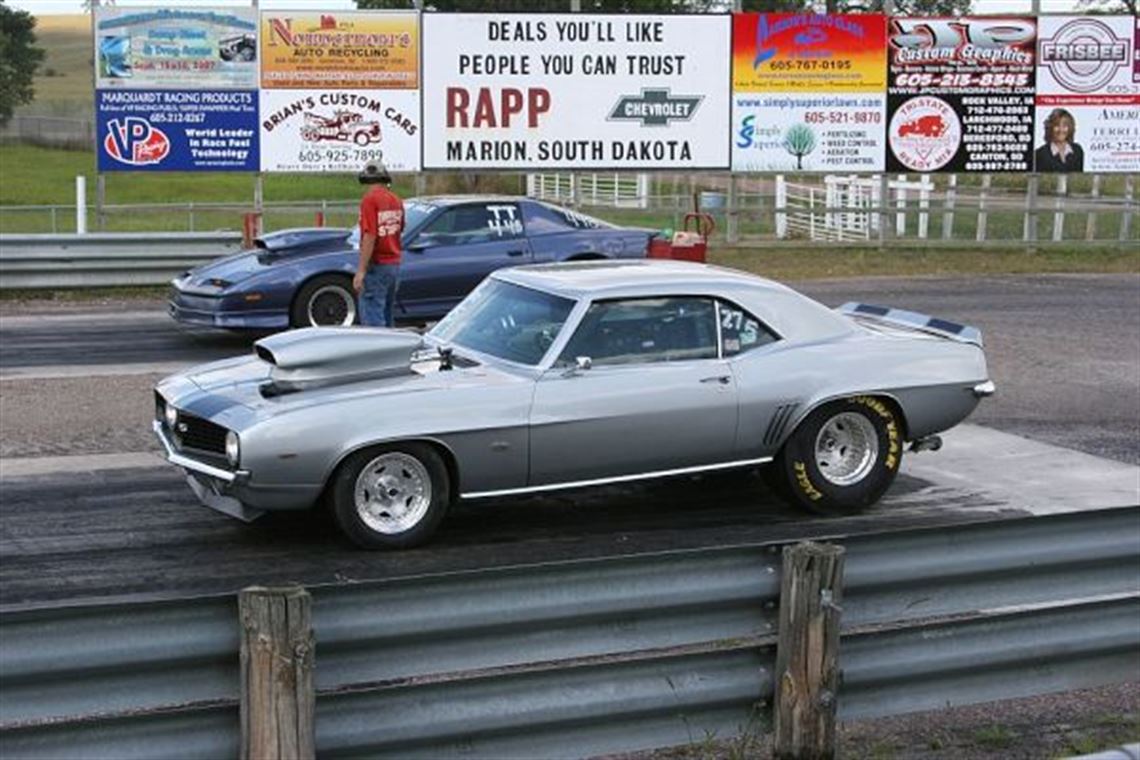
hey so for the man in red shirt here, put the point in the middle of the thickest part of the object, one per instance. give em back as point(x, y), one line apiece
point(381, 223)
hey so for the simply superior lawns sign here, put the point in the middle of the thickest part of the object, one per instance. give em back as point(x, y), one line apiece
point(564, 91)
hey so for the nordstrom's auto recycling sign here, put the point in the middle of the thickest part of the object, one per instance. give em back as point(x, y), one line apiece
point(573, 91)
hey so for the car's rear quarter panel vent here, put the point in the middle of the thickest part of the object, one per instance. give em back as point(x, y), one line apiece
point(778, 422)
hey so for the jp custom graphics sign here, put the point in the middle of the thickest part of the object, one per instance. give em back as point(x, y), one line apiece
point(960, 94)
point(349, 50)
point(808, 92)
point(175, 48)
point(339, 130)
point(176, 130)
point(1088, 95)
point(567, 91)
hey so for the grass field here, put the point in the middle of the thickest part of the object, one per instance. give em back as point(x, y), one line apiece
point(64, 82)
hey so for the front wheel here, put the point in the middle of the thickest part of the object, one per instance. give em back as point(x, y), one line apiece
point(391, 497)
point(843, 456)
point(325, 301)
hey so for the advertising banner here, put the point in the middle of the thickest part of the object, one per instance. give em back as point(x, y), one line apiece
point(567, 91)
point(343, 50)
point(960, 94)
point(176, 130)
point(339, 130)
point(808, 92)
point(152, 48)
point(1088, 95)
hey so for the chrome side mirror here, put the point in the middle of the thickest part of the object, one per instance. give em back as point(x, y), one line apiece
point(581, 364)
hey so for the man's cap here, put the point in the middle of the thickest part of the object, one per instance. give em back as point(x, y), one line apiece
point(374, 171)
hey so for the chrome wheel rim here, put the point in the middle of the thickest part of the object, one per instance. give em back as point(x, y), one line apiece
point(331, 305)
point(392, 493)
point(846, 449)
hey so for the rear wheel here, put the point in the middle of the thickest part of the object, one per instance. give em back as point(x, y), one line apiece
point(391, 497)
point(843, 457)
point(325, 301)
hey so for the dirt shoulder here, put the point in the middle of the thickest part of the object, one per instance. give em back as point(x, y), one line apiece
point(1049, 726)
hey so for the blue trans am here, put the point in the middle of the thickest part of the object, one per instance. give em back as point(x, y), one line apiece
point(303, 277)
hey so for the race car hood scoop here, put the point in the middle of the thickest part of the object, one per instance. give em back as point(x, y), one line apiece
point(318, 357)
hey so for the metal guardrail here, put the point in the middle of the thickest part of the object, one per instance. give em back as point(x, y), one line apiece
point(106, 259)
point(594, 656)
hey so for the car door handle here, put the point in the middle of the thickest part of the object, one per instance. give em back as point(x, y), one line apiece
point(517, 252)
point(722, 379)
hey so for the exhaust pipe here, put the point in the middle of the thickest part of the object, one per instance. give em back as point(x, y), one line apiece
point(929, 443)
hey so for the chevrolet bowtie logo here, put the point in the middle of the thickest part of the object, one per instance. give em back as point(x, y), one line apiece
point(655, 108)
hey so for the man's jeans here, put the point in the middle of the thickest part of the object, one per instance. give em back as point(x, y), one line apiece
point(379, 295)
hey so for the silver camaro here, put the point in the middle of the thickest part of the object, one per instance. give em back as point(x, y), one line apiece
point(568, 375)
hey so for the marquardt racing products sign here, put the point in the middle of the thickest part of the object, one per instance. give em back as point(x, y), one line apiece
point(960, 94)
point(567, 91)
point(349, 50)
point(1088, 95)
point(148, 48)
point(808, 92)
point(176, 130)
point(339, 130)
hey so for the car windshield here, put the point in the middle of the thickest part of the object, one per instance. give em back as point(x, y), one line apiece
point(505, 320)
point(414, 212)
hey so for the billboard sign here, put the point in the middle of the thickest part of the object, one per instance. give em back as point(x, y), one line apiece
point(1088, 95)
point(153, 48)
point(576, 92)
point(339, 130)
point(960, 94)
point(341, 50)
point(176, 130)
point(808, 92)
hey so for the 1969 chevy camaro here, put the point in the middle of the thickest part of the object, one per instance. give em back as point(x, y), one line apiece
point(567, 375)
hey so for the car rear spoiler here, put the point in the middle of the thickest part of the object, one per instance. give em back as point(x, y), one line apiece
point(913, 320)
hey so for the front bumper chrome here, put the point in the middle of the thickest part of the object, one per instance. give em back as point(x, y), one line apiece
point(210, 484)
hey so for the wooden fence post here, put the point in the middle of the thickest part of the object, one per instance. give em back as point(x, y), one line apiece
point(807, 658)
point(1030, 226)
point(981, 233)
point(1090, 221)
point(277, 697)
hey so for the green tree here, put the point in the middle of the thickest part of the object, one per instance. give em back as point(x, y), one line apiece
point(19, 58)
point(1095, 7)
point(799, 140)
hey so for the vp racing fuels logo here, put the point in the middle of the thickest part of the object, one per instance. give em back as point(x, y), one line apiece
point(1083, 55)
point(135, 142)
point(655, 107)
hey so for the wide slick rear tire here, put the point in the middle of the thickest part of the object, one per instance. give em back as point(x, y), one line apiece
point(843, 457)
point(392, 496)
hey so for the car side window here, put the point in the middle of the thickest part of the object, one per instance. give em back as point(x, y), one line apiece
point(645, 330)
point(740, 331)
point(481, 223)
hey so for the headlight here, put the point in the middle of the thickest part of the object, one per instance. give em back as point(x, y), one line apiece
point(233, 448)
point(171, 415)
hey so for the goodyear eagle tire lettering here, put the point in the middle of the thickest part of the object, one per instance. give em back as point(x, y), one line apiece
point(843, 457)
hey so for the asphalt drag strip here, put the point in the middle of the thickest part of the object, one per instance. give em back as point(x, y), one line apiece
point(100, 527)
